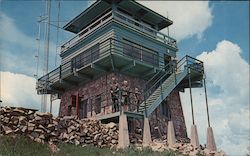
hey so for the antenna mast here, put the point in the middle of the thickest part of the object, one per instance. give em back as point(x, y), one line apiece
point(38, 48)
point(57, 30)
point(46, 54)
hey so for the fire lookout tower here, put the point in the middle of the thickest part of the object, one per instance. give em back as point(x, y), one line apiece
point(119, 63)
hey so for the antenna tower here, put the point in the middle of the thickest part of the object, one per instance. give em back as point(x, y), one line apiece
point(46, 54)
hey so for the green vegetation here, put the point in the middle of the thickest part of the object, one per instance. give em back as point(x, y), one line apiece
point(22, 146)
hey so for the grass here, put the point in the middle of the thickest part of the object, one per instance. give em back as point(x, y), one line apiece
point(22, 146)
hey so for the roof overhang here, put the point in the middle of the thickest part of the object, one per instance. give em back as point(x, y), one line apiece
point(100, 6)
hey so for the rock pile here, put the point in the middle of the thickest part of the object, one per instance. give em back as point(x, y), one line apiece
point(184, 148)
point(42, 127)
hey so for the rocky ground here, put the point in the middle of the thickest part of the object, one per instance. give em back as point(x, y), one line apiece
point(44, 128)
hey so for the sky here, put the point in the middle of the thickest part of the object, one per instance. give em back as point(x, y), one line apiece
point(216, 32)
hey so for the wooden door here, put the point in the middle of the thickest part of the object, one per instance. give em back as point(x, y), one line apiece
point(83, 109)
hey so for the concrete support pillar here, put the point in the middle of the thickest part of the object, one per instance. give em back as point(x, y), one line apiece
point(146, 133)
point(123, 140)
point(171, 134)
point(194, 136)
point(210, 139)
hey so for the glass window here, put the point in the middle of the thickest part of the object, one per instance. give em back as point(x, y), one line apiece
point(98, 101)
point(86, 57)
point(95, 52)
point(73, 100)
point(139, 52)
point(165, 109)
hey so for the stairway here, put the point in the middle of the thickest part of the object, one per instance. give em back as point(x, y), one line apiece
point(166, 84)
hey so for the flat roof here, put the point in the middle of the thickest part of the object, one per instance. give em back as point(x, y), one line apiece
point(131, 6)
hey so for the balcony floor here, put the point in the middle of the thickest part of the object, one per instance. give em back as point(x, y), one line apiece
point(109, 63)
point(114, 117)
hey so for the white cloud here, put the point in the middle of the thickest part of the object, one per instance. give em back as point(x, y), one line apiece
point(11, 33)
point(190, 18)
point(16, 46)
point(227, 76)
point(19, 90)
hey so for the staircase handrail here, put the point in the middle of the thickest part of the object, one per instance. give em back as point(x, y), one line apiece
point(186, 61)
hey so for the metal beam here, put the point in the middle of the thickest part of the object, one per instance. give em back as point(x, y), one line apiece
point(68, 83)
point(205, 89)
point(191, 99)
point(56, 89)
point(97, 67)
point(82, 76)
point(128, 66)
point(112, 61)
point(149, 72)
point(134, 115)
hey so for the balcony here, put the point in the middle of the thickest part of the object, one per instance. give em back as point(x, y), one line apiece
point(109, 55)
point(121, 18)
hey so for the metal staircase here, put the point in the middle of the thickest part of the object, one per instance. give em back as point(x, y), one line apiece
point(166, 80)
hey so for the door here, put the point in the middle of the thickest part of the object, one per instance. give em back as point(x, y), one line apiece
point(83, 109)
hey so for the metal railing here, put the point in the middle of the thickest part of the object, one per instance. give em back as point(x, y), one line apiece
point(159, 78)
point(106, 48)
point(151, 85)
point(144, 28)
point(130, 106)
point(86, 31)
point(125, 19)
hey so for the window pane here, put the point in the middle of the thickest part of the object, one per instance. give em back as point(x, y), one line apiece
point(98, 101)
point(86, 57)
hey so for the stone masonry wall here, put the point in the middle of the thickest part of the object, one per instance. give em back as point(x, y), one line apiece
point(158, 121)
point(101, 86)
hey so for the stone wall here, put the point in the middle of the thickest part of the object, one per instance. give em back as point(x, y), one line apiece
point(101, 86)
point(158, 120)
point(92, 89)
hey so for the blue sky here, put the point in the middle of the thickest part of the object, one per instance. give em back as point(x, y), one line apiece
point(230, 23)
point(216, 32)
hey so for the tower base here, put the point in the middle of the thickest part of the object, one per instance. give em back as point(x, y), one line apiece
point(194, 136)
point(210, 139)
point(171, 134)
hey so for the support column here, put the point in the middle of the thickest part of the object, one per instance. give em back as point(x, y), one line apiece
point(123, 140)
point(50, 108)
point(194, 133)
point(191, 98)
point(146, 133)
point(171, 134)
point(210, 135)
point(210, 139)
point(194, 136)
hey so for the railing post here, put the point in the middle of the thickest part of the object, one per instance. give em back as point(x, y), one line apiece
point(145, 107)
point(186, 58)
point(110, 46)
point(208, 120)
point(60, 72)
point(119, 101)
point(191, 99)
point(161, 89)
point(91, 55)
point(174, 70)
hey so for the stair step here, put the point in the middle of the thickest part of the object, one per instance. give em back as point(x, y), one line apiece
point(157, 93)
point(154, 96)
point(142, 108)
point(152, 99)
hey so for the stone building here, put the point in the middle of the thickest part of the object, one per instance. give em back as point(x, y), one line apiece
point(119, 58)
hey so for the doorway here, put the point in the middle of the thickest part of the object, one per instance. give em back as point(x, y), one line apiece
point(167, 59)
point(83, 109)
